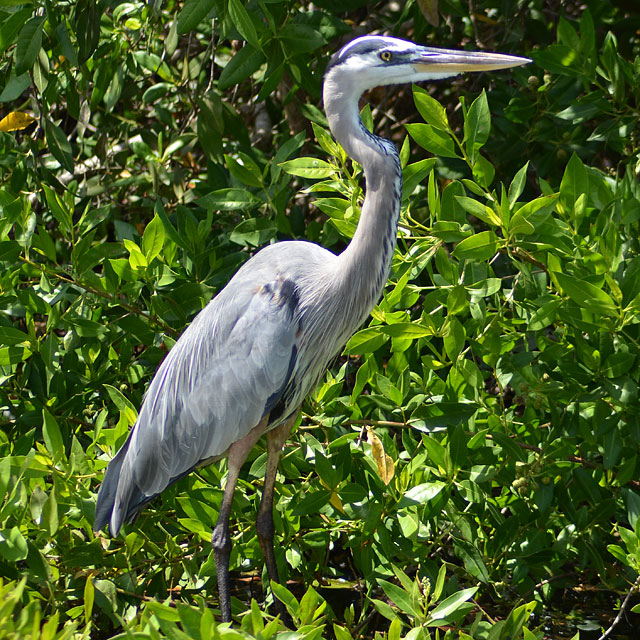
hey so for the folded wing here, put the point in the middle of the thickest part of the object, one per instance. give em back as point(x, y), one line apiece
point(226, 372)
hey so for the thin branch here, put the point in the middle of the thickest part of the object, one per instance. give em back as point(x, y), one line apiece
point(623, 607)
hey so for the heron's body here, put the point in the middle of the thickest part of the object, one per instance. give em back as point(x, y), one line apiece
point(247, 361)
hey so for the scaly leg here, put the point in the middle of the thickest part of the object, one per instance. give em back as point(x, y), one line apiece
point(264, 522)
point(220, 538)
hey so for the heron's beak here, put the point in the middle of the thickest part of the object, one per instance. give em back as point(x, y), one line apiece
point(450, 61)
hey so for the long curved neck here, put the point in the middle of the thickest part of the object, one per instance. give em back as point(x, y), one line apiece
point(366, 262)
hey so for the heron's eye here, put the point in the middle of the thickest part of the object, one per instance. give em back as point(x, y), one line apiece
point(385, 55)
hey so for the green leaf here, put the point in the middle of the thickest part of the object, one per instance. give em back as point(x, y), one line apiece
point(52, 436)
point(58, 144)
point(193, 12)
point(454, 337)
point(13, 355)
point(436, 141)
point(532, 215)
point(618, 364)
point(243, 64)
point(309, 168)
point(107, 599)
point(153, 239)
point(399, 597)
point(421, 494)
point(545, 315)
point(137, 259)
point(12, 337)
point(168, 227)
point(124, 405)
point(15, 87)
point(451, 604)
point(633, 507)
point(484, 288)
point(229, 200)
point(153, 63)
point(89, 593)
point(575, 183)
point(58, 209)
point(477, 126)
point(472, 560)
point(414, 175)
point(29, 44)
point(586, 295)
point(483, 171)
point(408, 330)
point(13, 545)
point(254, 232)
point(517, 184)
point(384, 609)
point(286, 597)
point(243, 23)
point(479, 210)
point(326, 142)
point(68, 50)
point(312, 502)
point(11, 26)
point(246, 172)
point(366, 340)
point(88, 14)
point(480, 246)
point(9, 251)
point(341, 633)
point(430, 109)
point(114, 90)
point(516, 620)
point(334, 207)
point(300, 38)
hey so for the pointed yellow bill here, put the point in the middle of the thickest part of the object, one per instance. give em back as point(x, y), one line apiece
point(450, 61)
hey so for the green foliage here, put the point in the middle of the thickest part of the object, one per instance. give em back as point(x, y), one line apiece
point(500, 372)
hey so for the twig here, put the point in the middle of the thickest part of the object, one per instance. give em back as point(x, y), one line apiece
point(625, 602)
point(541, 584)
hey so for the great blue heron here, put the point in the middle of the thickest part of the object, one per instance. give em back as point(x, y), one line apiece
point(249, 358)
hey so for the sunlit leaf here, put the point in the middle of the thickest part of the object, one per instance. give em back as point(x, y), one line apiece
point(309, 168)
point(15, 121)
point(386, 467)
point(480, 246)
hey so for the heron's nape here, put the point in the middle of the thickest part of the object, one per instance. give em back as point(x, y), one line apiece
point(249, 358)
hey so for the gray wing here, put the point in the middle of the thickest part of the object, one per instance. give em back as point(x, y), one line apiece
point(225, 373)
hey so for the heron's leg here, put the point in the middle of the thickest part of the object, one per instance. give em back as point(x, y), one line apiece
point(220, 538)
point(264, 522)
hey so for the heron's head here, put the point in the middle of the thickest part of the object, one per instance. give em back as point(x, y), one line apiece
point(371, 61)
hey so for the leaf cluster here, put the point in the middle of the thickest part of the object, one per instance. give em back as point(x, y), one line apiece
point(472, 456)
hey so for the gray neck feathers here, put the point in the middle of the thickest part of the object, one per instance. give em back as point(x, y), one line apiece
point(364, 265)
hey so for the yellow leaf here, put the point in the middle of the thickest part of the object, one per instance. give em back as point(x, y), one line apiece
point(336, 502)
point(15, 121)
point(383, 461)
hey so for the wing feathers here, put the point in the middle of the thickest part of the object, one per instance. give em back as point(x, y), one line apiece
point(227, 371)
